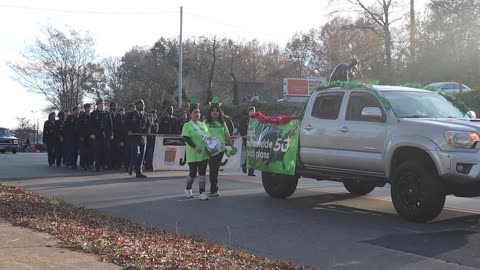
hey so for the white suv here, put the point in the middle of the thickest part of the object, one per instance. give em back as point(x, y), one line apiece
point(450, 87)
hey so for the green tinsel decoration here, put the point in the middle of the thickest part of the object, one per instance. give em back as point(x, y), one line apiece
point(455, 101)
point(386, 103)
point(353, 85)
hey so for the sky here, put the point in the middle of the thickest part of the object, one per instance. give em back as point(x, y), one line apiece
point(117, 26)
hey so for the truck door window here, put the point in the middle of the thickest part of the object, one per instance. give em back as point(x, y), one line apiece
point(327, 106)
point(357, 102)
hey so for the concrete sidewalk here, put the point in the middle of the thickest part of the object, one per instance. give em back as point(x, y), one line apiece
point(22, 248)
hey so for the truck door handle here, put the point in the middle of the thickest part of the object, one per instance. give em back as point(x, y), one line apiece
point(344, 129)
point(309, 127)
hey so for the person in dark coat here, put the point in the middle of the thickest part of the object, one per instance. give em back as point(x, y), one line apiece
point(130, 109)
point(121, 137)
point(251, 171)
point(182, 119)
point(137, 124)
point(72, 138)
point(168, 122)
point(113, 151)
point(59, 138)
point(101, 129)
point(153, 119)
point(85, 145)
point(49, 137)
point(341, 71)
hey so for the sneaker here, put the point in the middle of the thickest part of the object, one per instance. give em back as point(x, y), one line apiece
point(188, 193)
point(141, 175)
point(213, 194)
point(203, 196)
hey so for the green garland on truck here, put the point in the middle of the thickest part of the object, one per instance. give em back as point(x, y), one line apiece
point(353, 84)
point(459, 104)
point(455, 101)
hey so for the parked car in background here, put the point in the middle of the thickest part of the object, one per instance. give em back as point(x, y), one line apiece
point(7, 141)
point(295, 99)
point(451, 87)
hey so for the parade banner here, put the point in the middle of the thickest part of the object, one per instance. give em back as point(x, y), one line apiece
point(271, 147)
point(170, 154)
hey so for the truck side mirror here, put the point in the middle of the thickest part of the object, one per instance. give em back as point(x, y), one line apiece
point(372, 112)
point(472, 114)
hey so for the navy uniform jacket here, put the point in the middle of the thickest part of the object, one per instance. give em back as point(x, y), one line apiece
point(59, 130)
point(168, 125)
point(137, 122)
point(49, 132)
point(120, 131)
point(83, 126)
point(114, 124)
point(101, 124)
point(70, 130)
point(153, 130)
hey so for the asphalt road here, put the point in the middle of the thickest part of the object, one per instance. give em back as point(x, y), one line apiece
point(320, 226)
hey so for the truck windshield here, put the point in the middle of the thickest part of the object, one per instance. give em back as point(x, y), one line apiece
point(4, 132)
point(421, 105)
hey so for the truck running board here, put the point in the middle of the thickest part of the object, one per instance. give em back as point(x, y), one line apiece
point(340, 176)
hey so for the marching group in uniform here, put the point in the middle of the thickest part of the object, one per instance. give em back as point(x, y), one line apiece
point(106, 139)
point(114, 139)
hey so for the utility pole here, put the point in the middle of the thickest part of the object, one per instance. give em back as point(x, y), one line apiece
point(412, 30)
point(34, 129)
point(180, 63)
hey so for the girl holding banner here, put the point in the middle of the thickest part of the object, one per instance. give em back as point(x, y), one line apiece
point(217, 128)
point(197, 155)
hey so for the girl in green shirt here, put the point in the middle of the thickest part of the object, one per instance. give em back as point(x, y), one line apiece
point(197, 155)
point(217, 128)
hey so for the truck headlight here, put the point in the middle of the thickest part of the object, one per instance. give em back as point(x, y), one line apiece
point(462, 139)
point(15, 142)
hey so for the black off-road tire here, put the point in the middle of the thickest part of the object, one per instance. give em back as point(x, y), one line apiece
point(279, 185)
point(358, 188)
point(417, 193)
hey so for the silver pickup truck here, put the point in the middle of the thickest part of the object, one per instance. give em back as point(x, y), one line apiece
point(413, 139)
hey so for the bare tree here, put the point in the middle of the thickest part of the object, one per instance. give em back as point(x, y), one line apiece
point(233, 49)
point(59, 66)
point(379, 12)
point(24, 129)
point(213, 53)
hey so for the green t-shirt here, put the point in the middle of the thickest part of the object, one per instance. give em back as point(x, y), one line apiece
point(217, 130)
point(191, 131)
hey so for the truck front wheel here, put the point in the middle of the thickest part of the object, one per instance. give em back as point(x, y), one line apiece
point(417, 193)
point(358, 188)
point(279, 185)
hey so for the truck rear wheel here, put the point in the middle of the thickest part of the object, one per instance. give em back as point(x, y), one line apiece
point(279, 185)
point(417, 193)
point(358, 188)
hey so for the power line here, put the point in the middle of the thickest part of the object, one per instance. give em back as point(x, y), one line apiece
point(229, 25)
point(89, 12)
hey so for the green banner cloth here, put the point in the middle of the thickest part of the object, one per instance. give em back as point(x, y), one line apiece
point(272, 148)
